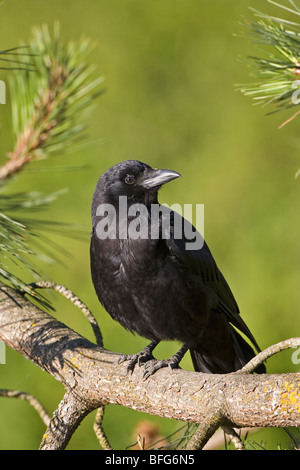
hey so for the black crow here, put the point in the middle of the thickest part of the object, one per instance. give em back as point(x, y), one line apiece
point(150, 281)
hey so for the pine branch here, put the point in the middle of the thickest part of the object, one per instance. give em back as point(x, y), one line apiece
point(33, 401)
point(92, 377)
point(50, 105)
point(278, 71)
point(18, 237)
point(51, 102)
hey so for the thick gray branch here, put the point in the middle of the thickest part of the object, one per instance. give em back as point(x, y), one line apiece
point(66, 419)
point(93, 377)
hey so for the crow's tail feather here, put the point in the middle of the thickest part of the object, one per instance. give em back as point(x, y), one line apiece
point(218, 361)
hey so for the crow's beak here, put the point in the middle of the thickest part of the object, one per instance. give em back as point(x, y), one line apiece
point(156, 177)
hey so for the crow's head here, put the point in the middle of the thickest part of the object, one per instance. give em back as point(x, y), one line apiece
point(133, 179)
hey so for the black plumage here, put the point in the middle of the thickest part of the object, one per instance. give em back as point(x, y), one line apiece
point(154, 286)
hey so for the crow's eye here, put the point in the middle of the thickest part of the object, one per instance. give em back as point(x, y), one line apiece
point(129, 179)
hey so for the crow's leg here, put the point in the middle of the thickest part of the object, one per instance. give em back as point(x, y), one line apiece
point(139, 358)
point(173, 362)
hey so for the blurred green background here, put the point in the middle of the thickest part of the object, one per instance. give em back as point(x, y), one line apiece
point(170, 70)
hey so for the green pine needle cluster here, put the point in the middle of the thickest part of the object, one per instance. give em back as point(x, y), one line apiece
point(15, 237)
point(278, 71)
point(51, 101)
point(50, 105)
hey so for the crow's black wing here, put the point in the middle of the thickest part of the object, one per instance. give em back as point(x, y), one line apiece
point(201, 263)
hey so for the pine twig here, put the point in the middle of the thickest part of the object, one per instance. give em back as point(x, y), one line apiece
point(278, 71)
point(234, 437)
point(76, 301)
point(98, 428)
point(50, 102)
point(34, 402)
point(267, 353)
point(49, 105)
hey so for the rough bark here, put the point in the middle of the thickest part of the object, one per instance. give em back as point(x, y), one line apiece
point(92, 378)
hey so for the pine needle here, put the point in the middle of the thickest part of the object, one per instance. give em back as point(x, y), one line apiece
point(278, 71)
point(277, 74)
point(50, 106)
point(51, 102)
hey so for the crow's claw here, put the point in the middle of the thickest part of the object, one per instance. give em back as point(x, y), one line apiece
point(139, 358)
point(152, 366)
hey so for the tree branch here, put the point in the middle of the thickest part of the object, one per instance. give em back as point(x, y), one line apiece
point(267, 353)
point(33, 401)
point(93, 377)
point(64, 423)
point(98, 428)
point(76, 301)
